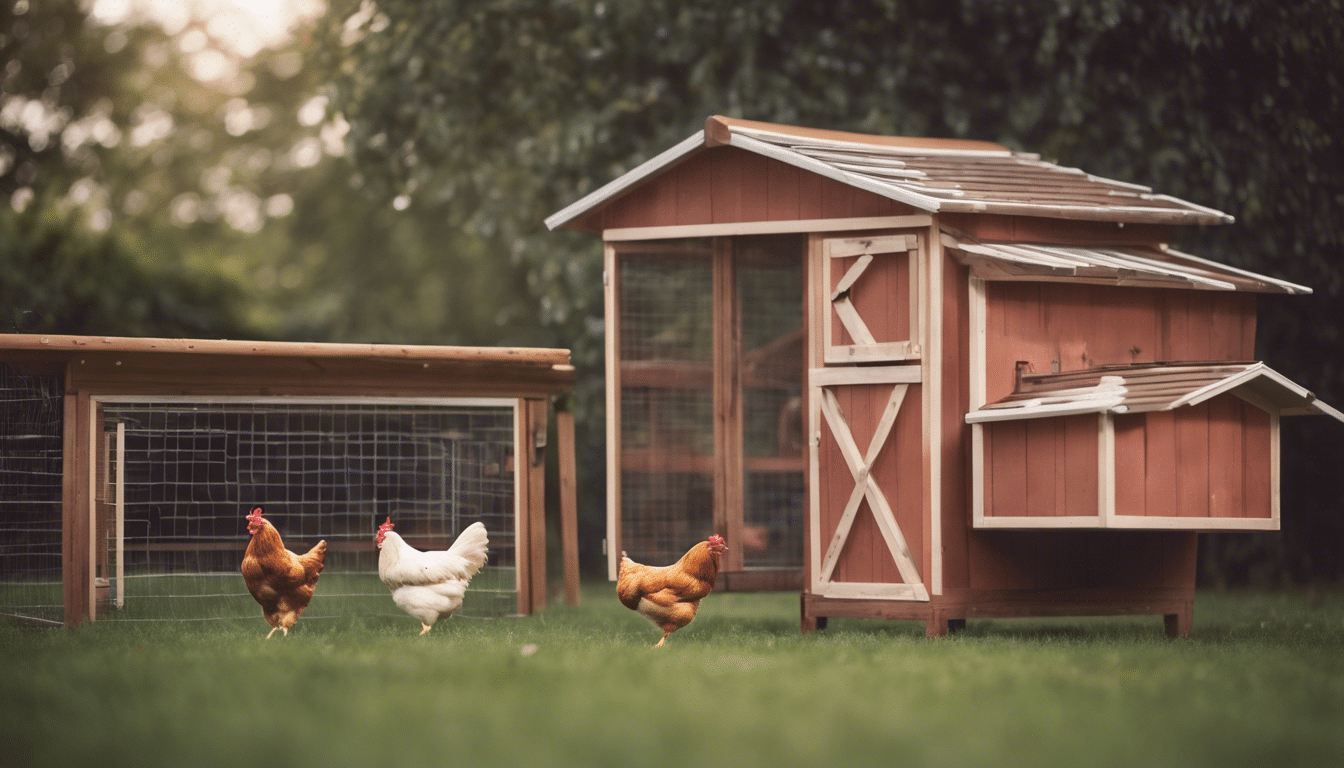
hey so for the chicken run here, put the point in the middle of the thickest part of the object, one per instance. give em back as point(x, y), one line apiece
point(126, 466)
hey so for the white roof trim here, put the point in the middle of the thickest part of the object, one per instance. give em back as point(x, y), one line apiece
point(1284, 284)
point(624, 182)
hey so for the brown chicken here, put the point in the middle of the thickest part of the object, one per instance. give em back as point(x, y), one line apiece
point(669, 596)
point(281, 581)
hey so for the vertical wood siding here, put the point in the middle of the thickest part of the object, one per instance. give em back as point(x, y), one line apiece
point(1070, 326)
point(726, 184)
point(1206, 461)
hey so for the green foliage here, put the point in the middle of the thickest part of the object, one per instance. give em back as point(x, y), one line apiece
point(1256, 682)
point(56, 279)
point(502, 112)
point(464, 124)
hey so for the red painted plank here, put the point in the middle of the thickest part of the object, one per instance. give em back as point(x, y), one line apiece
point(1226, 494)
point(1131, 467)
point(1007, 445)
point(726, 187)
point(1257, 440)
point(782, 191)
point(1080, 464)
point(1042, 467)
point(1160, 469)
point(1192, 461)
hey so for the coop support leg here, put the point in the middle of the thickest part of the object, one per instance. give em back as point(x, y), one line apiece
point(936, 625)
point(809, 622)
point(1180, 623)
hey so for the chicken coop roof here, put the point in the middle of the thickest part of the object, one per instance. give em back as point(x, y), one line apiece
point(928, 174)
point(1145, 265)
point(1142, 388)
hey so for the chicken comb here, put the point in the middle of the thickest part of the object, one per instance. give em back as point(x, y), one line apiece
point(715, 538)
point(254, 514)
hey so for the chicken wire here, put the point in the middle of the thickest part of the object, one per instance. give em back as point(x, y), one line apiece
point(666, 348)
point(321, 469)
point(31, 430)
point(667, 404)
point(770, 310)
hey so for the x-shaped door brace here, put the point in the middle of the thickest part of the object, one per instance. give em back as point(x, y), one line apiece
point(865, 487)
point(865, 346)
point(844, 308)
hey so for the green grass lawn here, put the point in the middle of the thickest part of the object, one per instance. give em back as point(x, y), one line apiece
point(1260, 682)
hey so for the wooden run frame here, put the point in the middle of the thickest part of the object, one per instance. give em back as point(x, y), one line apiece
point(105, 369)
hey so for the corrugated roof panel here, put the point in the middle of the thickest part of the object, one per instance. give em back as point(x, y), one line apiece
point(928, 174)
point(1143, 388)
point(1124, 265)
point(984, 180)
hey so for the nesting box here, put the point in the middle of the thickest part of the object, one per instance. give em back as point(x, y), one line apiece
point(927, 379)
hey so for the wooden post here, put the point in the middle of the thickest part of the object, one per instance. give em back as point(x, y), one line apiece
point(76, 528)
point(537, 411)
point(569, 509)
point(1180, 623)
point(728, 479)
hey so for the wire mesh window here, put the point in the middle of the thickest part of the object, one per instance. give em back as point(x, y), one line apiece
point(667, 404)
point(770, 310)
point(667, 422)
point(328, 470)
point(31, 428)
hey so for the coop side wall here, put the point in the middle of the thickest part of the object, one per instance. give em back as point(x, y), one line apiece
point(1072, 326)
point(1063, 572)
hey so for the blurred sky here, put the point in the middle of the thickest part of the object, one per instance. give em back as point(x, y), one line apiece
point(243, 26)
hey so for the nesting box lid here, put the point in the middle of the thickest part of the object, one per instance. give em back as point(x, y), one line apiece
point(1143, 388)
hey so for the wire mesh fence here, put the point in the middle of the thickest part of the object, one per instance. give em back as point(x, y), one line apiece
point(31, 426)
point(322, 471)
point(175, 476)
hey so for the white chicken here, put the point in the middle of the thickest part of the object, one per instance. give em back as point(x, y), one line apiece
point(430, 585)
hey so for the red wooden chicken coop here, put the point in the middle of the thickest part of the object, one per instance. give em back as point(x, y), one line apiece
point(927, 379)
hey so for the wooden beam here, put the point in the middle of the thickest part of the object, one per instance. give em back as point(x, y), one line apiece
point(76, 527)
point(612, 342)
point(569, 511)
point(791, 226)
point(413, 353)
point(728, 446)
point(533, 452)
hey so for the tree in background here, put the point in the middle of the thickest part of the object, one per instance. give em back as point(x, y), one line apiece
point(500, 112)
point(70, 134)
point(384, 176)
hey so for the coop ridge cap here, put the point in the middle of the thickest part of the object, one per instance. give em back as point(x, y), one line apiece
point(556, 358)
